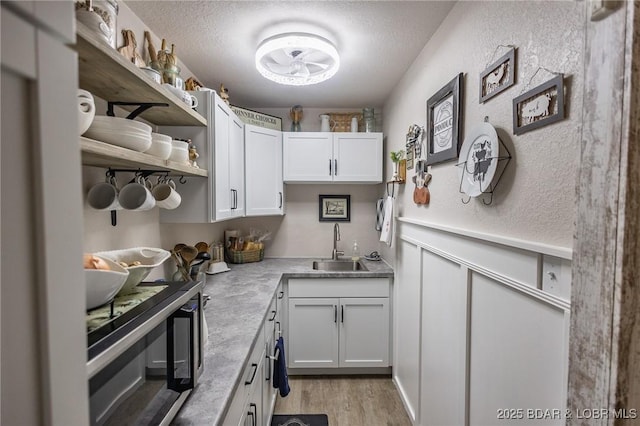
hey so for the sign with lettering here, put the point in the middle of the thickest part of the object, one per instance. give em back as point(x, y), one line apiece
point(257, 118)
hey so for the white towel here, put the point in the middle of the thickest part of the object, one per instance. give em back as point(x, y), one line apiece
point(387, 224)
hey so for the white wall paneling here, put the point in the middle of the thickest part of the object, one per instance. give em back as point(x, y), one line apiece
point(477, 329)
point(406, 326)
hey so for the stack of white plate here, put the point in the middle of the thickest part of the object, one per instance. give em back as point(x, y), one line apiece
point(121, 132)
point(160, 146)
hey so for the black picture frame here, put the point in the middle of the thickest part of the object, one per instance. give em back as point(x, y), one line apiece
point(531, 111)
point(334, 208)
point(499, 76)
point(444, 122)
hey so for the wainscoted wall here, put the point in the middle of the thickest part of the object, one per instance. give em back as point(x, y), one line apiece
point(480, 325)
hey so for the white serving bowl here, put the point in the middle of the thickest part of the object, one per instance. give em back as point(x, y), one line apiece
point(103, 285)
point(160, 148)
point(179, 152)
point(149, 258)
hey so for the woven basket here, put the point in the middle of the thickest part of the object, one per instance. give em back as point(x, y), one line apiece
point(244, 256)
point(342, 120)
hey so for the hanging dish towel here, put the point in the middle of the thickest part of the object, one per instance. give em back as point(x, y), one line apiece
point(280, 376)
point(379, 213)
point(387, 224)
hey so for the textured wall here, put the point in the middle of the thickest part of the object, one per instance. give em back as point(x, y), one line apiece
point(535, 199)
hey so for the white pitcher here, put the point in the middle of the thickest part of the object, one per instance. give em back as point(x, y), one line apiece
point(86, 110)
point(326, 124)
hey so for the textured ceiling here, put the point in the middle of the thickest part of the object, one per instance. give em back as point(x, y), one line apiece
point(377, 42)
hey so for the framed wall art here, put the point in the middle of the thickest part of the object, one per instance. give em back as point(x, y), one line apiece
point(539, 106)
point(499, 76)
point(444, 122)
point(334, 208)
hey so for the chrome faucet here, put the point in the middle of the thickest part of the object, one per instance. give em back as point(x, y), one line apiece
point(336, 237)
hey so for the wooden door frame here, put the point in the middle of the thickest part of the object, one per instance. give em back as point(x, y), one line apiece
point(604, 353)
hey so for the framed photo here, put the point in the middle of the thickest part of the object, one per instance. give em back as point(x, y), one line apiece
point(444, 122)
point(499, 76)
point(335, 208)
point(539, 106)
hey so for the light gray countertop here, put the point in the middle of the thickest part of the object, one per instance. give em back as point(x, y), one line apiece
point(239, 302)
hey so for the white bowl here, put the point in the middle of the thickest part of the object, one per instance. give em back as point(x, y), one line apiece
point(103, 285)
point(126, 140)
point(160, 149)
point(179, 155)
point(148, 257)
point(120, 124)
point(161, 137)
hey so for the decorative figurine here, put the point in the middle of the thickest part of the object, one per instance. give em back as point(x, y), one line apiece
point(296, 118)
point(224, 94)
point(193, 156)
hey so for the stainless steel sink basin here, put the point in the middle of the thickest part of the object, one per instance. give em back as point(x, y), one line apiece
point(338, 265)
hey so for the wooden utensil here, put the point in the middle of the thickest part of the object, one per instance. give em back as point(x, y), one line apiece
point(188, 254)
point(202, 247)
point(151, 48)
point(128, 49)
point(172, 59)
point(162, 54)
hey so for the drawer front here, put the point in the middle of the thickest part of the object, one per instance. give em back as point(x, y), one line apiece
point(270, 321)
point(338, 287)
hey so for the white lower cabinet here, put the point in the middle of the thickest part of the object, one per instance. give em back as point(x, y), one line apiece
point(350, 329)
point(246, 405)
point(254, 399)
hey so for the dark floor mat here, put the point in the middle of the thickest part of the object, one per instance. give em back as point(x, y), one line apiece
point(300, 420)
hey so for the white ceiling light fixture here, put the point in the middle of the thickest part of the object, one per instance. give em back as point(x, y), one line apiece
point(297, 59)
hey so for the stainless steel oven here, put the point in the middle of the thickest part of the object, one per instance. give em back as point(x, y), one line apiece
point(145, 357)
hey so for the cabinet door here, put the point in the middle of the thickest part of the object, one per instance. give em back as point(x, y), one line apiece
point(357, 157)
point(221, 157)
point(364, 332)
point(44, 364)
point(236, 163)
point(313, 333)
point(263, 171)
point(307, 157)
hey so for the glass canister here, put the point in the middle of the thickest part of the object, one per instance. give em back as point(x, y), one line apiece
point(368, 117)
point(101, 17)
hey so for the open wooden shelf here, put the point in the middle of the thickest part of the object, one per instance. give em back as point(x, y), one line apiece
point(101, 154)
point(107, 74)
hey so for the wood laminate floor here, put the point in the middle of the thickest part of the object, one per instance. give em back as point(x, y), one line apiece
point(347, 400)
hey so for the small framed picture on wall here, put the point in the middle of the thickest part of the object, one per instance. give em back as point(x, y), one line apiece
point(334, 208)
point(444, 122)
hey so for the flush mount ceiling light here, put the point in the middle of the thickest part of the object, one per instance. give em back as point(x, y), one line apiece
point(297, 59)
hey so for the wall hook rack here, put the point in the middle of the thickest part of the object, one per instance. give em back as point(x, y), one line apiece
point(142, 107)
point(502, 160)
point(393, 188)
point(111, 173)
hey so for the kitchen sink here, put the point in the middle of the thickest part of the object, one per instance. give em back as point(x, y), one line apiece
point(338, 265)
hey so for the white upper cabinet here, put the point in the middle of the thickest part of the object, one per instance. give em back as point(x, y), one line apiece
point(263, 171)
point(229, 162)
point(312, 157)
point(307, 157)
point(221, 149)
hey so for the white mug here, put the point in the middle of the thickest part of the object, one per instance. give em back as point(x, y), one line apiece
point(190, 100)
point(166, 195)
point(137, 195)
point(104, 195)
